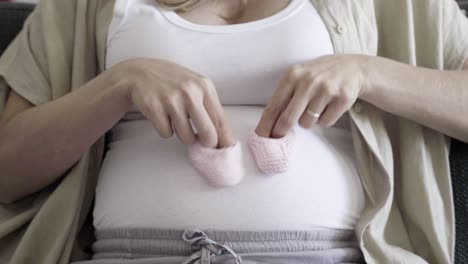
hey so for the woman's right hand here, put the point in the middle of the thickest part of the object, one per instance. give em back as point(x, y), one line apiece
point(170, 96)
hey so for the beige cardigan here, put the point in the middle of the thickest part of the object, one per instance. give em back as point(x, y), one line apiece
point(409, 213)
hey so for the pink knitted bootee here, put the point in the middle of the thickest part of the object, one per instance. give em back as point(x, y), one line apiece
point(272, 155)
point(220, 167)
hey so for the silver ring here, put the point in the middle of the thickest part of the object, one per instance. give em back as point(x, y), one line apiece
point(312, 113)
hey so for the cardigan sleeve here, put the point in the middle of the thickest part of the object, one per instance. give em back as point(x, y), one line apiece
point(455, 35)
point(22, 65)
point(39, 63)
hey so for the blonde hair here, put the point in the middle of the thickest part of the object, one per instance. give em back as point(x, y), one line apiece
point(185, 5)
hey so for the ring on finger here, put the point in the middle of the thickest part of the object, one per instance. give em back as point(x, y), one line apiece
point(313, 114)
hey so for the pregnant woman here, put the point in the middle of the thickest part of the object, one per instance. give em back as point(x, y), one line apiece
point(197, 97)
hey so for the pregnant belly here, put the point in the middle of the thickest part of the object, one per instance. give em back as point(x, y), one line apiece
point(148, 182)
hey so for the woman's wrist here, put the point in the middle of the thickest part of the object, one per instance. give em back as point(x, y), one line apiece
point(369, 67)
point(120, 84)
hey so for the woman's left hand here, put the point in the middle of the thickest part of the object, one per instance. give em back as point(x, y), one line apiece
point(319, 91)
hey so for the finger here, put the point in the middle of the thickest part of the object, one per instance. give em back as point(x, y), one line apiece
point(314, 110)
point(181, 123)
point(162, 123)
point(224, 134)
point(160, 120)
point(206, 132)
point(215, 110)
point(290, 116)
point(278, 102)
point(333, 112)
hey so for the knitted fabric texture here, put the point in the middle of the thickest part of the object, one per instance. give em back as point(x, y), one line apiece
point(220, 167)
point(272, 155)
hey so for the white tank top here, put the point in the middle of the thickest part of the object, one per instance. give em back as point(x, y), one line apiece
point(147, 181)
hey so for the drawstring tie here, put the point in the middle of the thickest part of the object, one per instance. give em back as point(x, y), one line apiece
point(205, 248)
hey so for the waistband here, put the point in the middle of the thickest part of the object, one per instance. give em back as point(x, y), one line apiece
point(202, 246)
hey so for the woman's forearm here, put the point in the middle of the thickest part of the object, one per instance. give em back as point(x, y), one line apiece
point(436, 99)
point(41, 143)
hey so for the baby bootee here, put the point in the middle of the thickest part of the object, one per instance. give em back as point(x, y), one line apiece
point(272, 155)
point(220, 167)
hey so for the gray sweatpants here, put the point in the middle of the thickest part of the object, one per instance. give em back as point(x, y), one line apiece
point(150, 246)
